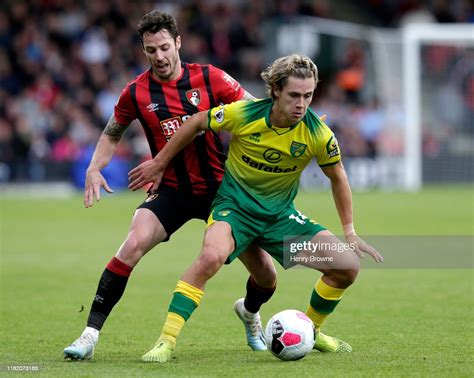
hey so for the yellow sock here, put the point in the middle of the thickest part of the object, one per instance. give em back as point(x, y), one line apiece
point(324, 299)
point(189, 291)
point(186, 298)
point(172, 328)
point(317, 318)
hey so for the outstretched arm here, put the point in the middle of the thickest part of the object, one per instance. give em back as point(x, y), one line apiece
point(103, 153)
point(342, 195)
point(152, 170)
point(248, 96)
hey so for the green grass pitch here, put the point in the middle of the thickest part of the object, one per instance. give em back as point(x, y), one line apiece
point(400, 322)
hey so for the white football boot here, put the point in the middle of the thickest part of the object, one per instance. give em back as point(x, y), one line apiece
point(253, 326)
point(83, 347)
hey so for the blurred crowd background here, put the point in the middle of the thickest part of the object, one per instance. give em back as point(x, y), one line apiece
point(63, 64)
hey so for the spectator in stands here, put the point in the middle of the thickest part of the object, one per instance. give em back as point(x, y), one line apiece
point(59, 55)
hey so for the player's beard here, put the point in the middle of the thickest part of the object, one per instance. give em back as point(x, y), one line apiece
point(171, 70)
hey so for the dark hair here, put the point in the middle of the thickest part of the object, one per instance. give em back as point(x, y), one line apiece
point(154, 21)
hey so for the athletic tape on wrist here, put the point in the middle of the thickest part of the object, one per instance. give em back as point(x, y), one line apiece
point(348, 229)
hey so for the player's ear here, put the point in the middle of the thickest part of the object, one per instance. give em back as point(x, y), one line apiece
point(276, 92)
point(178, 42)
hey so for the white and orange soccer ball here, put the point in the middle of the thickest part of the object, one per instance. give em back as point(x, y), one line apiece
point(290, 335)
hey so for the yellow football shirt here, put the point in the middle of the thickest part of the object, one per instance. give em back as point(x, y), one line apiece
point(265, 162)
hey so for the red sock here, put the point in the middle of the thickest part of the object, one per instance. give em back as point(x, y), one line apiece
point(118, 267)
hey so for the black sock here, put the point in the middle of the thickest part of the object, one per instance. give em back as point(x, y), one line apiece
point(256, 295)
point(109, 291)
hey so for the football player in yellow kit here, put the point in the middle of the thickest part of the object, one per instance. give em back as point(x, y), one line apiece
point(273, 140)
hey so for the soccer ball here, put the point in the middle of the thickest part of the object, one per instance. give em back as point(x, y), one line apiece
point(290, 335)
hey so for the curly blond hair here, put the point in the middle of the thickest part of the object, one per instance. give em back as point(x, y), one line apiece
point(276, 75)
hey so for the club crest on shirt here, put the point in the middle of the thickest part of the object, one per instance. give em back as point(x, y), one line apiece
point(297, 149)
point(223, 213)
point(194, 96)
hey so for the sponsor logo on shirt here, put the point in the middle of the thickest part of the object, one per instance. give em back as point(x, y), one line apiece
point(265, 167)
point(272, 156)
point(219, 116)
point(332, 147)
point(233, 83)
point(153, 107)
point(255, 137)
point(170, 126)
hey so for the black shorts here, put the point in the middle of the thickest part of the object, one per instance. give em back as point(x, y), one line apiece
point(173, 209)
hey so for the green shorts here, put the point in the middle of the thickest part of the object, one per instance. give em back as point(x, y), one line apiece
point(268, 234)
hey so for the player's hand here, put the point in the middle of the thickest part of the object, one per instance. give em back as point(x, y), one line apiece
point(94, 181)
point(360, 247)
point(149, 171)
point(323, 117)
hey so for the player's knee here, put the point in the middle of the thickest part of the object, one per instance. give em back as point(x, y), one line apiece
point(343, 278)
point(346, 277)
point(351, 275)
point(132, 250)
point(211, 260)
point(209, 265)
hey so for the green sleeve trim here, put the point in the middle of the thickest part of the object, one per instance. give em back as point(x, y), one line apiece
point(209, 120)
point(329, 164)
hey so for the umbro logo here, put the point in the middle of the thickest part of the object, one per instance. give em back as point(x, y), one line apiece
point(152, 107)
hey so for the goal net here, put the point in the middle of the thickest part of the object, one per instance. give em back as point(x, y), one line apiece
point(439, 103)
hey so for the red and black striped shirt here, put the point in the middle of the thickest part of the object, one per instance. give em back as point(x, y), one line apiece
point(161, 108)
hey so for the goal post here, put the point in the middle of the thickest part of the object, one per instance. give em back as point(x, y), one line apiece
point(413, 37)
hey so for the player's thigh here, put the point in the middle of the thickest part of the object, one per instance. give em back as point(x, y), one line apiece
point(218, 239)
point(217, 245)
point(145, 232)
point(147, 227)
point(280, 234)
point(296, 239)
point(172, 209)
point(243, 227)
